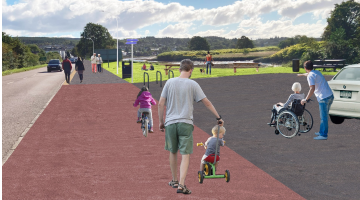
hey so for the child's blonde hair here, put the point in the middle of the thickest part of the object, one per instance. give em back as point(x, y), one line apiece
point(215, 130)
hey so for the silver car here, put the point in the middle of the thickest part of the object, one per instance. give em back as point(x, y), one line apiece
point(346, 88)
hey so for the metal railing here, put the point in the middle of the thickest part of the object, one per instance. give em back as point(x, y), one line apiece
point(147, 79)
point(160, 78)
point(169, 74)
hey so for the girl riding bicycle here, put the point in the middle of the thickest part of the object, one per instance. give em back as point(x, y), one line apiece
point(145, 100)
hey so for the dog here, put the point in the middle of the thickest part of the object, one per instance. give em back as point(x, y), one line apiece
point(202, 71)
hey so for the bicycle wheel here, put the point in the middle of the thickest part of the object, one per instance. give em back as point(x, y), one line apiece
point(146, 129)
point(305, 122)
point(287, 124)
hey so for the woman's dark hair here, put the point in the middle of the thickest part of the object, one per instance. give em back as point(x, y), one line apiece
point(79, 59)
point(143, 89)
point(308, 65)
point(208, 52)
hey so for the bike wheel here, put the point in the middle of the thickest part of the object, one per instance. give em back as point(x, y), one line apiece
point(288, 124)
point(146, 128)
point(305, 122)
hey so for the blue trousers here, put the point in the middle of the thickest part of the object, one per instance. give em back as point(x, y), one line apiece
point(208, 65)
point(324, 107)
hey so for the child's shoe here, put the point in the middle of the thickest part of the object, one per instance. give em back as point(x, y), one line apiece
point(151, 130)
point(138, 120)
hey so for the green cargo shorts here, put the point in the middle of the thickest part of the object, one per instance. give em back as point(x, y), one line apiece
point(179, 136)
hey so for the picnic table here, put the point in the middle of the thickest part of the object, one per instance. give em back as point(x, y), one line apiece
point(246, 65)
point(329, 63)
point(168, 67)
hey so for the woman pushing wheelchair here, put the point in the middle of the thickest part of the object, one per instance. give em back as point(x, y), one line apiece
point(277, 108)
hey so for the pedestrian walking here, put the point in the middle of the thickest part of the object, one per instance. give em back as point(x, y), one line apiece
point(79, 67)
point(99, 62)
point(179, 94)
point(324, 95)
point(208, 60)
point(93, 62)
point(66, 66)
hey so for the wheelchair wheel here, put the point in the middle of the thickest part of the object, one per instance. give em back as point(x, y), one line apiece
point(288, 124)
point(207, 169)
point(305, 122)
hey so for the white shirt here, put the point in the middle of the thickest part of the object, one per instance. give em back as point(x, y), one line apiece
point(93, 59)
point(99, 60)
point(322, 88)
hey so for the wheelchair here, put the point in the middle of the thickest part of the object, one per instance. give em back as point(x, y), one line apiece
point(293, 121)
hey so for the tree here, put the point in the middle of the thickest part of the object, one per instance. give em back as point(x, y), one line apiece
point(244, 42)
point(198, 43)
point(34, 48)
point(100, 35)
point(345, 16)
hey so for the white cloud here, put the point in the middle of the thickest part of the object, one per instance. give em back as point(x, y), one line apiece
point(177, 31)
point(36, 17)
point(67, 36)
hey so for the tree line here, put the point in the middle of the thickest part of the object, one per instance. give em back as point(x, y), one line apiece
point(16, 54)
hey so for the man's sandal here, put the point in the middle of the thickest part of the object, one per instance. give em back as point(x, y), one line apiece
point(172, 183)
point(184, 190)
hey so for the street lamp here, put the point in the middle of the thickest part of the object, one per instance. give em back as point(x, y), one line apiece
point(117, 44)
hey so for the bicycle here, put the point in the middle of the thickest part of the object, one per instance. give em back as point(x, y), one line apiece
point(145, 126)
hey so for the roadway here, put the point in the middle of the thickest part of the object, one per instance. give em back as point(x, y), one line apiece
point(24, 95)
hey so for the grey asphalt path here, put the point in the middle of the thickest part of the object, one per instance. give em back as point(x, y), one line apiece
point(96, 78)
point(314, 169)
point(24, 95)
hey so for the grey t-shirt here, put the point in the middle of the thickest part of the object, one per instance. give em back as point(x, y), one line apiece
point(211, 145)
point(292, 97)
point(180, 94)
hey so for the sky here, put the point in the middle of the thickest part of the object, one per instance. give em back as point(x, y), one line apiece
point(163, 18)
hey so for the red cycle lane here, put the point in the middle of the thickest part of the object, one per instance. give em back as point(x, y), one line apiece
point(87, 145)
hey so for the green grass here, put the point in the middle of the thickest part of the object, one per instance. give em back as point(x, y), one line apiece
point(215, 72)
point(12, 71)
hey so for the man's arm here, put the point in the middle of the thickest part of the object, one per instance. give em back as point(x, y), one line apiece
point(310, 93)
point(306, 74)
point(161, 113)
point(210, 106)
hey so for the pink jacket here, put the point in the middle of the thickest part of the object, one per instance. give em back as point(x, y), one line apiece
point(145, 100)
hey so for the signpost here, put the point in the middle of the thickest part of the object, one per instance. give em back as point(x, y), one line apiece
point(132, 42)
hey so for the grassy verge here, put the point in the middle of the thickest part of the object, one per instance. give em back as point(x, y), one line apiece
point(12, 71)
point(215, 72)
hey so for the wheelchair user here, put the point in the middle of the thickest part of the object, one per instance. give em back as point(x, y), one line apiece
point(296, 87)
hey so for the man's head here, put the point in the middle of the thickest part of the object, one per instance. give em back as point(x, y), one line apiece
point(186, 65)
point(99, 55)
point(215, 130)
point(66, 57)
point(94, 54)
point(308, 66)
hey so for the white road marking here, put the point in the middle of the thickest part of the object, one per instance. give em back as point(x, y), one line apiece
point(10, 82)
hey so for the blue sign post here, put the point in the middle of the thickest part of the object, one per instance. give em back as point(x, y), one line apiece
point(132, 42)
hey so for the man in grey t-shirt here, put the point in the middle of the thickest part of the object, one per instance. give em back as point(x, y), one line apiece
point(179, 95)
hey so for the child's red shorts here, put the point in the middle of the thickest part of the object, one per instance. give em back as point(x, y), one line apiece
point(211, 158)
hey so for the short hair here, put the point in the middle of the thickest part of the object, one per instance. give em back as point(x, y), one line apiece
point(296, 87)
point(215, 130)
point(66, 57)
point(308, 65)
point(186, 65)
point(98, 54)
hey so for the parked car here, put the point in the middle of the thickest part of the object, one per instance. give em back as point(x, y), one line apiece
point(73, 59)
point(346, 88)
point(54, 65)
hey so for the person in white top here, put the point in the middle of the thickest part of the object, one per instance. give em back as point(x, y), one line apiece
point(320, 87)
point(99, 61)
point(93, 63)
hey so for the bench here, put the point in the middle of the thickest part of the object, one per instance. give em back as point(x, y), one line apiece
point(329, 63)
point(168, 67)
point(246, 65)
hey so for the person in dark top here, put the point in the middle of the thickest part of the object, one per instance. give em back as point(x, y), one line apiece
point(66, 66)
point(151, 66)
point(79, 67)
